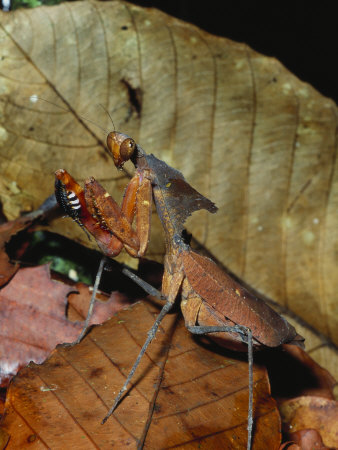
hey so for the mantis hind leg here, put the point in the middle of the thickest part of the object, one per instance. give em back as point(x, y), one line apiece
point(151, 334)
point(170, 301)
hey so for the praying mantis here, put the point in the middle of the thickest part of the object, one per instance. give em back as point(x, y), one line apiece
point(211, 301)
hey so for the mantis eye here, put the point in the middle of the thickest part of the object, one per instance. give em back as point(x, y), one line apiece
point(127, 149)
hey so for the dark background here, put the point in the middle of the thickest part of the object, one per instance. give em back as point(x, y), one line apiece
point(303, 36)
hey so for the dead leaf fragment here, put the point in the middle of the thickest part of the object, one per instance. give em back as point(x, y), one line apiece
point(316, 413)
point(183, 393)
point(308, 440)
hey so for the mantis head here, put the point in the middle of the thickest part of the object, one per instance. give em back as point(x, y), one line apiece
point(121, 147)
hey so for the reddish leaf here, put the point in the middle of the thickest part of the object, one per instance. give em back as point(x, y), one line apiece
point(183, 393)
point(33, 322)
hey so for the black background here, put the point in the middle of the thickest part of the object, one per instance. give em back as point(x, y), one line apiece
point(302, 36)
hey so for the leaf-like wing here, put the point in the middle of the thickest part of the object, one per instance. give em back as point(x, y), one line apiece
point(175, 199)
point(234, 302)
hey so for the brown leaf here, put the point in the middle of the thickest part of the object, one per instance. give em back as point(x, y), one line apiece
point(243, 130)
point(33, 322)
point(316, 413)
point(183, 393)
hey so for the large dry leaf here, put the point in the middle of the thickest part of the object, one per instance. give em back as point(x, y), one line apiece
point(243, 130)
point(183, 393)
